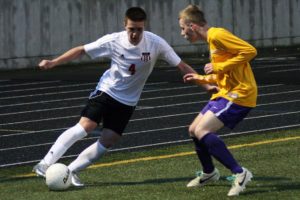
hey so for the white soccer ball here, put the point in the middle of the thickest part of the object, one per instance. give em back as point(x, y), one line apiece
point(58, 177)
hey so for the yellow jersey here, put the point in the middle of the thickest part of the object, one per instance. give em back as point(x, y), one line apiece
point(232, 72)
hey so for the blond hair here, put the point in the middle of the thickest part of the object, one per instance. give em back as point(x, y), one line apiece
point(193, 14)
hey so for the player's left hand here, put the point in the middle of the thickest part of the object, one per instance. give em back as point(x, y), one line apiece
point(212, 89)
point(190, 77)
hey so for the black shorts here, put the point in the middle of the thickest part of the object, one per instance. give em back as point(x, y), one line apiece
point(102, 107)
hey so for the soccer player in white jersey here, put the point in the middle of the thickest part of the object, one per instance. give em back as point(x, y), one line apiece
point(133, 54)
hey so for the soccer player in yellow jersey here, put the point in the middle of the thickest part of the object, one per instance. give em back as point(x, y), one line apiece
point(230, 71)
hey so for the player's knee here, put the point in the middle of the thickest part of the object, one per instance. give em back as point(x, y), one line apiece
point(192, 131)
point(200, 133)
point(107, 143)
point(87, 124)
point(109, 138)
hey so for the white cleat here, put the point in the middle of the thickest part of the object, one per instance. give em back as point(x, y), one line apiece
point(203, 178)
point(40, 169)
point(239, 182)
point(76, 181)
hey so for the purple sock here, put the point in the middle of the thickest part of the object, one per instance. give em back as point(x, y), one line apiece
point(204, 156)
point(217, 148)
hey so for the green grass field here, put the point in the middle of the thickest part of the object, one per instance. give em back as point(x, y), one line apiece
point(162, 173)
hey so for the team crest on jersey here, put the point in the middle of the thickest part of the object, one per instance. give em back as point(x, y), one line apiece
point(145, 56)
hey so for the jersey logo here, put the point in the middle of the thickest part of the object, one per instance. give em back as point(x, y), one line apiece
point(233, 95)
point(145, 56)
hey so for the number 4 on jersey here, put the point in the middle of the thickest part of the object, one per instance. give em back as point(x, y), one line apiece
point(132, 69)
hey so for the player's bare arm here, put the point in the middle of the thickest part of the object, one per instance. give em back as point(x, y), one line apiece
point(72, 54)
point(188, 71)
point(205, 81)
point(185, 68)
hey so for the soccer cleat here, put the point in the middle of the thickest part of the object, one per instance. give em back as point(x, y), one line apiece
point(40, 169)
point(239, 182)
point(203, 178)
point(76, 181)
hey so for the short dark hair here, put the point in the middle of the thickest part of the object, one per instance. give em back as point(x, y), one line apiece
point(136, 14)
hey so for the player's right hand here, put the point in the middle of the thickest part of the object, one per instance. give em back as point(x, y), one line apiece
point(208, 68)
point(46, 64)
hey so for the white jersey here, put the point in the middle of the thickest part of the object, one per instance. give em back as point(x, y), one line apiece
point(130, 65)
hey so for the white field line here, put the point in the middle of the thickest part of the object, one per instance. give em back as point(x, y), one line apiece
point(47, 88)
point(44, 94)
point(42, 102)
point(34, 132)
point(77, 98)
point(59, 100)
point(85, 90)
point(263, 130)
point(60, 129)
point(157, 130)
point(85, 97)
point(256, 67)
point(67, 117)
point(247, 118)
point(41, 110)
point(272, 85)
point(275, 93)
point(61, 108)
point(141, 108)
point(285, 70)
point(81, 97)
point(31, 83)
point(163, 143)
point(138, 107)
point(66, 86)
point(225, 135)
point(276, 66)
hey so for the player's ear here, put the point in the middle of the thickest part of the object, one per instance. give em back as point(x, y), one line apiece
point(195, 27)
point(192, 26)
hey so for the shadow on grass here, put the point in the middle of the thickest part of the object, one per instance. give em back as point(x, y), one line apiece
point(271, 184)
point(259, 184)
point(12, 180)
point(5, 179)
point(270, 188)
point(144, 182)
point(147, 181)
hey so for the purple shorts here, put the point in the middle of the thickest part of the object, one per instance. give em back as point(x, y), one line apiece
point(226, 111)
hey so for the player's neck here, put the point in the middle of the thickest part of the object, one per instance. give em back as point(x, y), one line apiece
point(203, 32)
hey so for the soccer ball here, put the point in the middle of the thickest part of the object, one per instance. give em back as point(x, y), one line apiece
point(58, 177)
